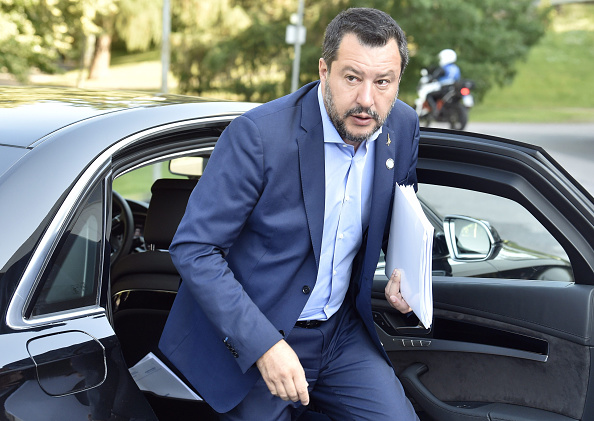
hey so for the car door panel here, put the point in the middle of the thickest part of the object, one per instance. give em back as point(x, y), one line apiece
point(74, 367)
point(501, 349)
point(68, 362)
point(475, 353)
point(469, 411)
point(59, 349)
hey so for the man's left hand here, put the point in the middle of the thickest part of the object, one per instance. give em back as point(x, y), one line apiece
point(393, 294)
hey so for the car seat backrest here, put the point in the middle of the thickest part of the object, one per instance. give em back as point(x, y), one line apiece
point(166, 209)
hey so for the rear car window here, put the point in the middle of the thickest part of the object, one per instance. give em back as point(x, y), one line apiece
point(71, 278)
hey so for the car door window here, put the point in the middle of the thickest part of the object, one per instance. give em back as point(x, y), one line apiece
point(71, 278)
point(526, 250)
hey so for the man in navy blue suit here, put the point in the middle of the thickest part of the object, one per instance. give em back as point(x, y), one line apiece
point(281, 237)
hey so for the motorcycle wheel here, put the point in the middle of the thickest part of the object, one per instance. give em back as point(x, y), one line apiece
point(458, 117)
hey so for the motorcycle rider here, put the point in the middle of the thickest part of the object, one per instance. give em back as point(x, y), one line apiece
point(446, 74)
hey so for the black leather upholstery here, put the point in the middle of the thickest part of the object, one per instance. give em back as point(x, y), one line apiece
point(168, 204)
point(153, 269)
point(143, 284)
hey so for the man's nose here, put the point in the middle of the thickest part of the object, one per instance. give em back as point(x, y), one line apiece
point(365, 95)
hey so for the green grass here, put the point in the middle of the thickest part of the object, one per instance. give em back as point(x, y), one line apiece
point(555, 83)
point(137, 184)
point(119, 58)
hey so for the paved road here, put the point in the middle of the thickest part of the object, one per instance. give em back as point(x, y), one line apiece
point(570, 144)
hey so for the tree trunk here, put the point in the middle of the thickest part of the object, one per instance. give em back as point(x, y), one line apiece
point(101, 58)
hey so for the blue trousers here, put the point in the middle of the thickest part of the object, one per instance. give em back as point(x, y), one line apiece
point(348, 377)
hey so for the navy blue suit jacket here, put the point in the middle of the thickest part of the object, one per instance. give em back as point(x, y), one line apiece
point(249, 243)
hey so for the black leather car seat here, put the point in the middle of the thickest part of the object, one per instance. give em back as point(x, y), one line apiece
point(144, 284)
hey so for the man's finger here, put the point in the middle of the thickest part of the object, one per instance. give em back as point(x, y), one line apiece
point(301, 389)
point(393, 293)
point(290, 391)
point(393, 285)
point(283, 373)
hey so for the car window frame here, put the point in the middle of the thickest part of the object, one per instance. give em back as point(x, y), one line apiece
point(517, 172)
point(122, 156)
point(29, 285)
point(80, 304)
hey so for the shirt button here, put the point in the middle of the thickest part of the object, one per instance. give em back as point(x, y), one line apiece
point(306, 289)
point(334, 272)
point(341, 236)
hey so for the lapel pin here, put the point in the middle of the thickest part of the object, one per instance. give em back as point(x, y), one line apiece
point(389, 163)
point(389, 141)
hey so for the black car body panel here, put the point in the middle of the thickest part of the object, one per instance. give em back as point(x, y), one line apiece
point(504, 343)
point(47, 170)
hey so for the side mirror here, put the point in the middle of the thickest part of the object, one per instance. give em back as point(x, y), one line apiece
point(470, 239)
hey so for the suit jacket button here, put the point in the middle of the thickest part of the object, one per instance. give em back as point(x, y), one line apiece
point(306, 289)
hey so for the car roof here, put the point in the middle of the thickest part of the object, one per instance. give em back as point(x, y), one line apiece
point(32, 116)
point(50, 136)
point(53, 108)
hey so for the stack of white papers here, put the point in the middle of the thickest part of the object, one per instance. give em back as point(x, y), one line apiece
point(410, 248)
point(151, 375)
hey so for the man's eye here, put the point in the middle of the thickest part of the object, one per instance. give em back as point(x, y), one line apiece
point(352, 78)
point(383, 82)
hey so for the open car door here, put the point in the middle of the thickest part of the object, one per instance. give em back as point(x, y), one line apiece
point(512, 332)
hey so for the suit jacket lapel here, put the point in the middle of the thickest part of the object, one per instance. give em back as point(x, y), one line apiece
point(383, 177)
point(383, 182)
point(311, 167)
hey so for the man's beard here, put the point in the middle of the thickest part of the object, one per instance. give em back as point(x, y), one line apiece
point(340, 122)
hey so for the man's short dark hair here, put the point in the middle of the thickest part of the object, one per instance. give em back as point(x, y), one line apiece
point(372, 27)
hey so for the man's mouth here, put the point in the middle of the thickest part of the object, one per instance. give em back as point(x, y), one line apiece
point(362, 118)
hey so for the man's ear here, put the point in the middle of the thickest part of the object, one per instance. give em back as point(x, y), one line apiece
point(323, 70)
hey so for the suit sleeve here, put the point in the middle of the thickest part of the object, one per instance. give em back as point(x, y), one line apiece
point(217, 211)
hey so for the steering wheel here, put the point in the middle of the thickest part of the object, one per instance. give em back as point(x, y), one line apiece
point(122, 228)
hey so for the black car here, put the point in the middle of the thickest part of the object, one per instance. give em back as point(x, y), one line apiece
point(92, 186)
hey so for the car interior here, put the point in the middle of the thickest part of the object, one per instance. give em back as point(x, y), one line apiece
point(465, 345)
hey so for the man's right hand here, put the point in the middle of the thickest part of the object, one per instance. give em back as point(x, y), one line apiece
point(283, 373)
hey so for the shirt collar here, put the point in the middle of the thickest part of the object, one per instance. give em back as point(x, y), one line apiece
point(330, 133)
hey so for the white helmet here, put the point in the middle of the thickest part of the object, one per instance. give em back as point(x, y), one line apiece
point(447, 57)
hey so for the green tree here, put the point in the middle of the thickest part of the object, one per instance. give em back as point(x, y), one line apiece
point(135, 22)
point(247, 57)
point(44, 34)
point(241, 53)
point(489, 36)
point(210, 42)
point(33, 33)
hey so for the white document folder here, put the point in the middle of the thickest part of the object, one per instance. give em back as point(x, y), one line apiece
point(410, 248)
point(152, 375)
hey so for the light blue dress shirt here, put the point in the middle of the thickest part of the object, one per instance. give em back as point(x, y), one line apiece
point(349, 180)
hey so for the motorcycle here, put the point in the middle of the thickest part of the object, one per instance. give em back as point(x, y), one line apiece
point(452, 103)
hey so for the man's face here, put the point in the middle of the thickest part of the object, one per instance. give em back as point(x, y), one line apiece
point(362, 87)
